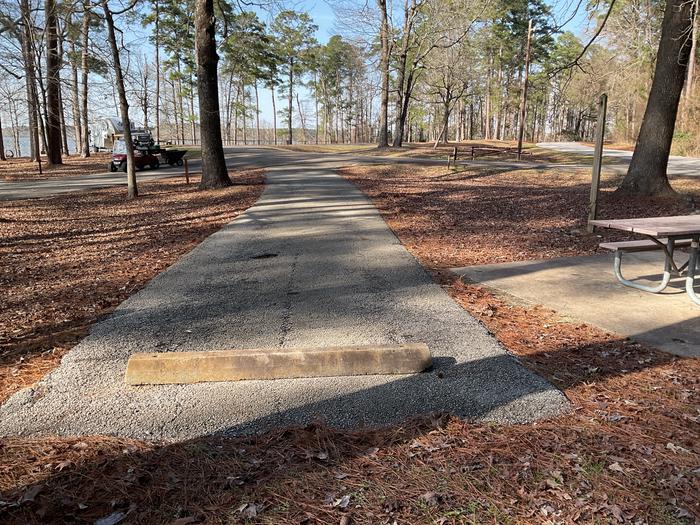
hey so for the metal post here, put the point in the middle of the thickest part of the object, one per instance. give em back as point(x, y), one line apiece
point(523, 99)
point(597, 161)
point(187, 172)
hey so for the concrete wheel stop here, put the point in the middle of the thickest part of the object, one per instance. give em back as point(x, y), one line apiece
point(276, 363)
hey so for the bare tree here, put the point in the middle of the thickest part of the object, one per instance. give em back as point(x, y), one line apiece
point(53, 87)
point(132, 189)
point(383, 135)
point(85, 41)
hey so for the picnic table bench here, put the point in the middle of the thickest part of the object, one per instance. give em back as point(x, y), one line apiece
point(483, 151)
point(662, 233)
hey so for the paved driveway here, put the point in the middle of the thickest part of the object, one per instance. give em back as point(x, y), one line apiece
point(311, 264)
point(678, 166)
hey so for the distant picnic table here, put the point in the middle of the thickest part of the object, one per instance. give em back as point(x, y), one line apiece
point(662, 233)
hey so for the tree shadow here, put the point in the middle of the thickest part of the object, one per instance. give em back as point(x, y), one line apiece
point(154, 482)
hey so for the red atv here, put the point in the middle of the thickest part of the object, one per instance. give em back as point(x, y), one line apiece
point(143, 157)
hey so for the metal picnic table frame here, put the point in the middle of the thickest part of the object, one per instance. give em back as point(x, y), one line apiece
point(676, 228)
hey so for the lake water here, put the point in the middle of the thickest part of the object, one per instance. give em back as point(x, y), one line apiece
point(24, 143)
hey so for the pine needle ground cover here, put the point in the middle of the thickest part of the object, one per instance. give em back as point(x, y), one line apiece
point(66, 261)
point(629, 452)
point(25, 169)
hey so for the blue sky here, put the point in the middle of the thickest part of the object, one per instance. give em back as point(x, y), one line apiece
point(324, 16)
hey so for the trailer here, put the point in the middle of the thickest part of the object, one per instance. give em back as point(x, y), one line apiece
point(104, 133)
point(173, 157)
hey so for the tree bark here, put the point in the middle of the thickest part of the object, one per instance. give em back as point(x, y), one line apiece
point(274, 114)
point(301, 117)
point(53, 86)
point(61, 105)
point(157, 46)
point(257, 113)
point(132, 189)
point(690, 78)
point(2, 142)
point(85, 36)
point(290, 101)
point(75, 96)
point(647, 172)
point(402, 91)
point(383, 132)
point(30, 81)
point(214, 172)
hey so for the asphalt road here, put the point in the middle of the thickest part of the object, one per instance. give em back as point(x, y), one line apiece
point(311, 264)
point(264, 157)
point(677, 166)
point(260, 157)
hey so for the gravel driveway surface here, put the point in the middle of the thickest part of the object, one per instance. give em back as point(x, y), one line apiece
point(311, 264)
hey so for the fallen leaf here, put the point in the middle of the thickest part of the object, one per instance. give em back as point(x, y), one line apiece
point(185, 521)
point(430, 498)
point(342, 502)
point(248, 510)
point(112, 519)
point(617, 512)
point(615, 467)
point(31, 493)
point(676, 448)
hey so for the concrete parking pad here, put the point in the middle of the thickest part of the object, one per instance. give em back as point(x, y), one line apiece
point(585, 289)
point(311, 265)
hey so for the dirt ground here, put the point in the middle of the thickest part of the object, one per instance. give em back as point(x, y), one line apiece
point(25, 169)
point(629, 452)
point(66, 261)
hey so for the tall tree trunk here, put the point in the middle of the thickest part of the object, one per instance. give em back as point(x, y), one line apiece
point(316, 101)
point(193, 120)
point(383, 133)
point(214, 172)
point(14, 120)
point(85, 37)
point(647, 171)
point(274, 114)
point(405, 101)
point(157, 42)
point(301, 117)
point(2, 142)
point(244, 116)
point(401, 88)
point(290, 101)
point(236, 105)
point(62, 114)
point(75, 96)
point(30, 80)
point(257, 113)
point(53, 86)
point(690, 78)
point(64, 130)
point(487, 102)
point(132, 189)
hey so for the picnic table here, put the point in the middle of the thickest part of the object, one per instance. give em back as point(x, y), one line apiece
point(662, 233)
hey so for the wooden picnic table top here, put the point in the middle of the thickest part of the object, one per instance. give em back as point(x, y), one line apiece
point(678, 225)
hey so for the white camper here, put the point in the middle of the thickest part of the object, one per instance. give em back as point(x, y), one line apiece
point(104, 132)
